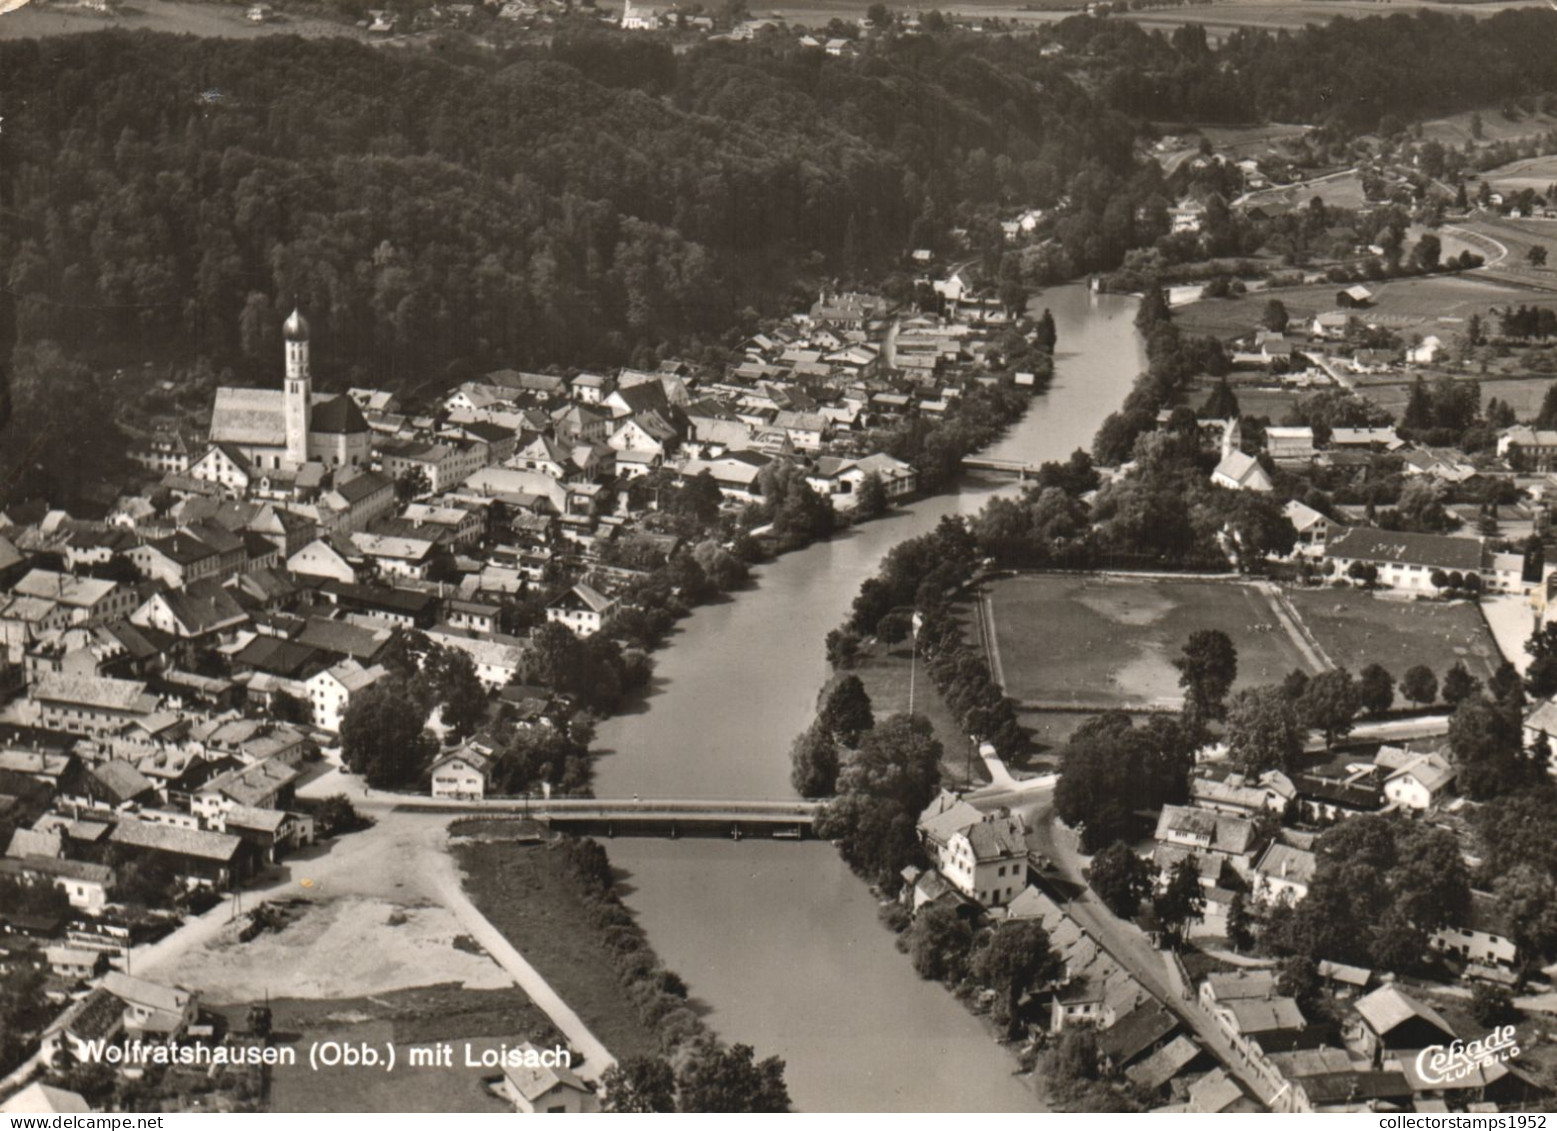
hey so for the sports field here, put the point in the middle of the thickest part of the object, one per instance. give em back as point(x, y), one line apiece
point(1100, 642)
point(1356, 629)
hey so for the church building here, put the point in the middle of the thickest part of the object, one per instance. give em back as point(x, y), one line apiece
point(282, 429)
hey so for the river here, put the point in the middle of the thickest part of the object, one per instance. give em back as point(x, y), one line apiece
point(779, 940)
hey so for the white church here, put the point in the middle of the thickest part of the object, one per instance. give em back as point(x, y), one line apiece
point(283, 429)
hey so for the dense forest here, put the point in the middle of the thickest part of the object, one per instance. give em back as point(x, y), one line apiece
point(575, 206)
point(600, 199)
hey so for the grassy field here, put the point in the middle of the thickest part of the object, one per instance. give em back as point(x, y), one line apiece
point(1440, 305)
point(1456, 129)
point(1524, 393)
point(885, 676)
point(402, 1018)
point(1356, 629)
point(529, 894)
point(1108, 642)
point(1536, 173)
point(1341, 191)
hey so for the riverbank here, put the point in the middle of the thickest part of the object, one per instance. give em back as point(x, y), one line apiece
point(555, 900)
point(779, 941)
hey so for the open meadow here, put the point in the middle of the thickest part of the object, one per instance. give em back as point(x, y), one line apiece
point(1355, 629)
point(1437, 304)
point(1104, 642)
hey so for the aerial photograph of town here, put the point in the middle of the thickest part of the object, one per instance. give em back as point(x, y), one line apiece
point(574, 556)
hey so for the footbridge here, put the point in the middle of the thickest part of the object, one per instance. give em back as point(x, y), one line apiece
point(733, 820)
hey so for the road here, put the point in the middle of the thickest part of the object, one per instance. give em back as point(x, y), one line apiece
point(1128, 945)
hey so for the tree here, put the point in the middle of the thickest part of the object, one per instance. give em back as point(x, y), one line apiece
point(1207, 669)
point(881, 792)
point(1459, 684)
point(843, 648)
point(335, 815)
point(847, 715)
point(1420, 685)
point(1015, 960)
point(939, 943)
point(459, 689)
point(872, 498)
point(1120, 878)
point(1263, 730)
point(1527, 898)
point(1240, 932)
point(1541, 675)
point(1375, 689)
point(814, 762)
point(1536, 255)
point(1330, 704)
point(1486, 740)
point(1182, 900)
point(1275, 317)
point(382, 736)
point(639, 1084)
point(731, 1080)
point(1492, 1006)
point(879, 15)
point(1221, 404)
point(1507, 686)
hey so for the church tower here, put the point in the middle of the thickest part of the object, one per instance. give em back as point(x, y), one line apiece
point(299, 388)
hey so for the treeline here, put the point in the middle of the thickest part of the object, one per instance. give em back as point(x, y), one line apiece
point(1350, 73)
point(572, 206)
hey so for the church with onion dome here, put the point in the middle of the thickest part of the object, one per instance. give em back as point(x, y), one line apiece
point(281, 430)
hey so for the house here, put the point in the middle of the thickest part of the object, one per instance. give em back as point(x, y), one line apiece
point(983, 855)
point(1283, 871)
point(1404, 559)
point(1426, 351)
point(259, 785)
point(330, 692)
point(1230, 791)
point(203, 609)
point(322, 558)
point(1313, 529)
point(460, 774)
point(1381, 439)
point(1483, 938)
point(90, 705)
point(152, 1010)
point(88, 886)
point(1417, 781)
point(584, 609)
point(1290, 444)
point(99, 1016)
point(1392, 1021)
point(1528, 448)
point(1217, 837)
point(543, 1081)
point(199, 856)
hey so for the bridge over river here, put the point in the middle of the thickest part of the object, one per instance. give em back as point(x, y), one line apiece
point(736, 820)
point(1009, 466)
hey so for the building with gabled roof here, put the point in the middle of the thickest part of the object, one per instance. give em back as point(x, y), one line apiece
point(90, 705)
point(583, 609)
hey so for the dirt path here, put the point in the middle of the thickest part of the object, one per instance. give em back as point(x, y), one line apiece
point(404, 857)
point(1302, 639)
